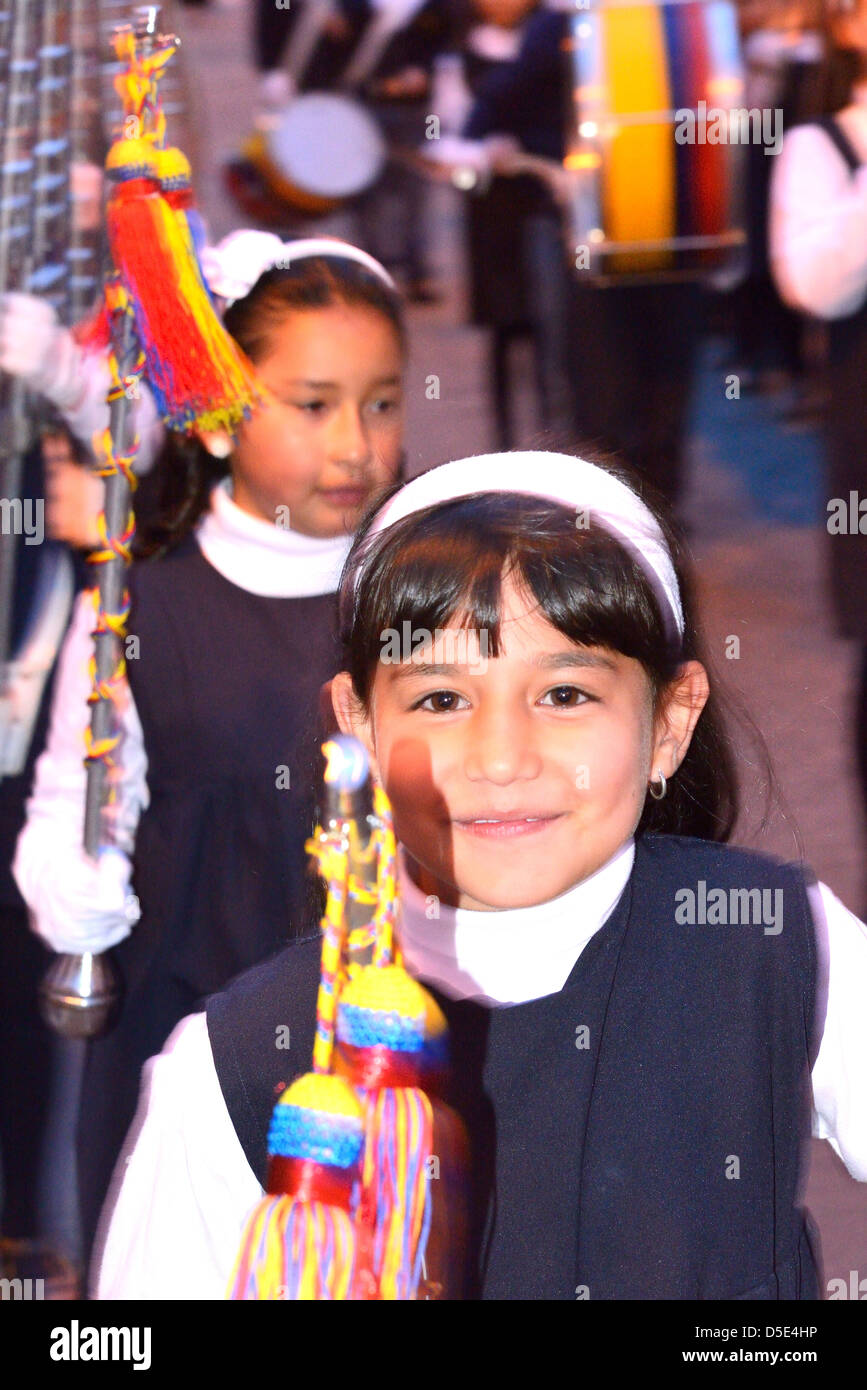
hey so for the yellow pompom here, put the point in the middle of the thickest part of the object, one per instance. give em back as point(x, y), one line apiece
point(173, 167)
point(329, 1094)
point(388, 992)
point(132, 157)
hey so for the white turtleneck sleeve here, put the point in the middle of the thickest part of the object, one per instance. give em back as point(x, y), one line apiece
point(74, 904)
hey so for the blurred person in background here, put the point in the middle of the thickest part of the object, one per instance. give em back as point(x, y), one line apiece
point(518, 274)
point(53, 475)
point(818, 255)
point(614, 363)
point(784, 52)
point(383, 52)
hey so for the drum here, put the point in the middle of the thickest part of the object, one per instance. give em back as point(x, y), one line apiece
point(655, 138)
point(322, 150)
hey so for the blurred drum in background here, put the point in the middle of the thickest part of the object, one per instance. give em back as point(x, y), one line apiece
point(320, 151)
point(654, 137)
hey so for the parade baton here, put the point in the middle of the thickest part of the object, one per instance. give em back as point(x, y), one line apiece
point(157, 322)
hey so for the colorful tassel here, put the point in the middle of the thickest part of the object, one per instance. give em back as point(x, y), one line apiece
point(176, 183)
point(198, 375)
point(386, 1024)
point(300, 1241)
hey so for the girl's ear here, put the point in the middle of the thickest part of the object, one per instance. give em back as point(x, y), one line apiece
point(218, 443)
point(352, 717)
point(684, 701)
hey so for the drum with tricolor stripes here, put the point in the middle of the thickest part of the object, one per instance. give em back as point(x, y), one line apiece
point(655, 144)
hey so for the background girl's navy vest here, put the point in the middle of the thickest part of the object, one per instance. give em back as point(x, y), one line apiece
point(637, 1135)
point(227, 689)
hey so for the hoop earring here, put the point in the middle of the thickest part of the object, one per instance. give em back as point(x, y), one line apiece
point(663, 783)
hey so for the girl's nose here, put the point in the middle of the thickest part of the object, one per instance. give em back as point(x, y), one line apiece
point(501, 750)
point(349, 439)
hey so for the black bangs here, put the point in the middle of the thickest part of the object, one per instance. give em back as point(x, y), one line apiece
point(447, 563)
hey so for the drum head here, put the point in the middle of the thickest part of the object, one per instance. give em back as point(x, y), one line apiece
point(327, 145)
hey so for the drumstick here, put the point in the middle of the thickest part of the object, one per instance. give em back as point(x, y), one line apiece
point(557, 178)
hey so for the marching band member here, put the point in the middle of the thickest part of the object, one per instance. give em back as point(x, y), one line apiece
point(383, 51)
point(518, 275)
point(631, 1049)
point(232, 619)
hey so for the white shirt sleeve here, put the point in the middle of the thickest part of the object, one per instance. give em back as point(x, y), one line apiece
point(182, 1192)
point(818, 226)
point(840, 1069)
point(74, 904)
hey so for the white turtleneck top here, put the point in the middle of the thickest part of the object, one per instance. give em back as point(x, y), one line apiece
point(513, 956)
point(76, 906)
point(267, 559)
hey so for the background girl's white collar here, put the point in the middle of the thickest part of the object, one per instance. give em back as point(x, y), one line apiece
point(264, 558)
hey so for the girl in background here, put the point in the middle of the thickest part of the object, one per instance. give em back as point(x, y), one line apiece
point(231, 635)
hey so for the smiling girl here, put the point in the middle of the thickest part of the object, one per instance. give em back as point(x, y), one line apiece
point(231, 635)
point(635, 1086)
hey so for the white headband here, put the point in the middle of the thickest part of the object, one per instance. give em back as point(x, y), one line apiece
point(581, 486)
point(233, 266)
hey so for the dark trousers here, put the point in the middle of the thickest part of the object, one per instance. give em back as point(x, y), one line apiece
point(25, 1072)
point(271, 27)
point(392, 216)
point(632, 363)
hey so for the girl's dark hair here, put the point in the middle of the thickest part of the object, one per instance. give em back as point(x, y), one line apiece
point(174, 495)
point(448, 560)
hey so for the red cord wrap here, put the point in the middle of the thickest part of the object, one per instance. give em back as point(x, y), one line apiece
point(307, 1181)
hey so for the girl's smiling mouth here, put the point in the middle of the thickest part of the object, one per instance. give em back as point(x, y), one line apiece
point(507, 827)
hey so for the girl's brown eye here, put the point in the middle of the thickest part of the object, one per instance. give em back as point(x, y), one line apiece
point(449, 700)
point(566, 696)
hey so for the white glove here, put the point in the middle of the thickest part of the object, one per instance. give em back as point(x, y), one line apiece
point(34, 347)
point(94, 907)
